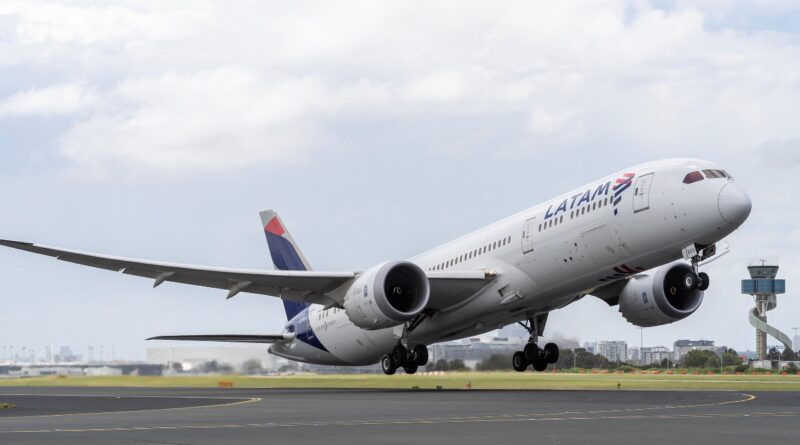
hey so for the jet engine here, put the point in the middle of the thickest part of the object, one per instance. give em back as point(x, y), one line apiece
point(387, 295)
point(669, 294)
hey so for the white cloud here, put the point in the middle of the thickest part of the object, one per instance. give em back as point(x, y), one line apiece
point(49, 101)
point(57, 23)
point(220, 87)
point(547, 122)
point(213, 119)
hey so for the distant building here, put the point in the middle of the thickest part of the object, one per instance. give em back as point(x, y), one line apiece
point(65, 355)
point(655, 355)
point(748, 355)
point(634, 355)
point(590, 346)
point(682, 347)
point(473, 351)
point(189, 356)
point(612, 350)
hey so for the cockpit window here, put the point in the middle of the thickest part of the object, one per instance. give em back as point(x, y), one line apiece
point(692, 177)
point(714, 174)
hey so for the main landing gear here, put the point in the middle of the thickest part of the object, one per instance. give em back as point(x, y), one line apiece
point(402, 357)
point(539, 358)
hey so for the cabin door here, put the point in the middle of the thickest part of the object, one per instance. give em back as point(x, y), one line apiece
point(641, 193)
point(527, 235)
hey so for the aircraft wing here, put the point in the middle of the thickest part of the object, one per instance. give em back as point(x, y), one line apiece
point(447, 288)
point(302, 286)
point(233, 338)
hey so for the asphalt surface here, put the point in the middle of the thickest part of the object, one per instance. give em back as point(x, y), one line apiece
point(241, 416)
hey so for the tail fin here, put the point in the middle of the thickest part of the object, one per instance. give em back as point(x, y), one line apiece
point(285, 253)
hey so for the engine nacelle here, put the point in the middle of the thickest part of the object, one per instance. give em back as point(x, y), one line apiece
point(387, 295)
point(659, 298)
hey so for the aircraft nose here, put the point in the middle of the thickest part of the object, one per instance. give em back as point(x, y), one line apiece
point(734, 204)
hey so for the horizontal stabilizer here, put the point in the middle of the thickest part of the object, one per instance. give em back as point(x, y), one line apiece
point(229, 338)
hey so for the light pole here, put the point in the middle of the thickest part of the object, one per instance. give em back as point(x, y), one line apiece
point(641, 346)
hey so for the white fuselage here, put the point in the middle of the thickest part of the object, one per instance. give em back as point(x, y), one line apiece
point(547, 257)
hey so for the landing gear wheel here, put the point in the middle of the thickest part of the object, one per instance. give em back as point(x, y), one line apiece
point(399, 355)
point(420, 355)
point(388, 365)
point(551, 352)
point(531, 352)
point(519, 362)
point(410, 368)
point(690, 281)
point(540, 364)
point(703, 281)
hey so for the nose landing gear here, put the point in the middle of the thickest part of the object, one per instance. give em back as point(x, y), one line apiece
point(696, 279)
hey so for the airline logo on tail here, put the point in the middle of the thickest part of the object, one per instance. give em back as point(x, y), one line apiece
point(282, 249)
point(285, 254)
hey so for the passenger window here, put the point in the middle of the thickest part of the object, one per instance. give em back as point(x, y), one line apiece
point(692, 177)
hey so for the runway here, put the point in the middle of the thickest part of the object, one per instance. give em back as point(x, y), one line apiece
point(306, 416)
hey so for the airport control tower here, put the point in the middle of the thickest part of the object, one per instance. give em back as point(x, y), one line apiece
point(764, 288)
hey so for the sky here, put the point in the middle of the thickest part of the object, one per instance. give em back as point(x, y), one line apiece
point(159, 129)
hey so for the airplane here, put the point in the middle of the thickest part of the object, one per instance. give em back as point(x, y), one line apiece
point(635, 239)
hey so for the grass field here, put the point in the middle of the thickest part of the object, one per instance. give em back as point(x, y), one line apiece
point(456, 380)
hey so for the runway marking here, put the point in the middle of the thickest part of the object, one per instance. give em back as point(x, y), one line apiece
point(443, 421)
point(238, 402)
point(530, 417)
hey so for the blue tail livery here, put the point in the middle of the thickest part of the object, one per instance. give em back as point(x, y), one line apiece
point(285, 253)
